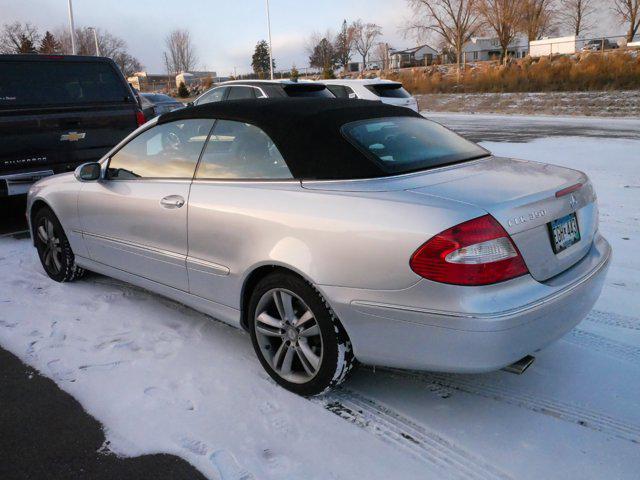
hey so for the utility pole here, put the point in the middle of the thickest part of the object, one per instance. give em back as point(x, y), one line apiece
point(95, 38)
point(270, 49)
point(72, 28)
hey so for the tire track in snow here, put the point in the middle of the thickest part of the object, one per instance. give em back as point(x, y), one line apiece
point(613, 319)
point(409, 436)
point(537, 403)
point(603, 345)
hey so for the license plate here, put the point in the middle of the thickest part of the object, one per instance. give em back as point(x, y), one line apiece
point(564, 232)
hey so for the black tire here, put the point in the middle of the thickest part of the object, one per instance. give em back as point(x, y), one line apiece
point(53, 248)
point(336, 359)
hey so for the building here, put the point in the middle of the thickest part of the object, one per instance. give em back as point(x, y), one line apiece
point(480, 49)
point(556, 46)
point(148, 82)
point(421, 55)
point(195, 78)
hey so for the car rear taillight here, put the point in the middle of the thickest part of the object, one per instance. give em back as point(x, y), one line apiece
point(477, 252)
point(140, 118)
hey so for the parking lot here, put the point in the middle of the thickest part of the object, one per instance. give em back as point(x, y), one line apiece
point(162, 378)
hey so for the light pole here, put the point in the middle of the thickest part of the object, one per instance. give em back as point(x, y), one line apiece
point(95, 38)
point(270, 50)
point(72, 29)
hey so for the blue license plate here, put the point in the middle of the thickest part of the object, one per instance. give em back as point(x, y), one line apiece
point(564, 232)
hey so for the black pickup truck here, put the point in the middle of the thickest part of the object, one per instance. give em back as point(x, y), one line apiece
point(58, 111)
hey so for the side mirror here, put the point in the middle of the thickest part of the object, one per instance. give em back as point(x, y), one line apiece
point(190, 104)
point(88, 172)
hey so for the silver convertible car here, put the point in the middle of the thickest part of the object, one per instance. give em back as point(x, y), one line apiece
point(334, 231)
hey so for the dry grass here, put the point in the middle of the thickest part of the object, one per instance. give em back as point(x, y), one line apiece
point(583, 72)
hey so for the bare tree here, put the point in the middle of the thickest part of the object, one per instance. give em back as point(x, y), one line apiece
point(576, 14)
point(364, 38)
point(127, 63)
point(504, 17)
point(382, 54)
point(456, 21)
point(629, 12)
point(537, 18)
point(109, 45)
point(181, 54)
point(13, 36)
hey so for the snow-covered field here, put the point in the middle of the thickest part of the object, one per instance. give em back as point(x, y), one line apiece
point(163, 378)
point(592, 103)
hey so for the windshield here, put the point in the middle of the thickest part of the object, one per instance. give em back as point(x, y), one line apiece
point(388, 90)
point(302, 90)
point(406, 144)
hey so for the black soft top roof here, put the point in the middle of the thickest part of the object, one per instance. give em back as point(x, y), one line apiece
point(305, 130)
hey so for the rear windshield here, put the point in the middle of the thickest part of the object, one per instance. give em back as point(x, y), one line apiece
point(158, 98)
point(406, 144)
point(302, 90)
point(59, 83)
point(389, 90)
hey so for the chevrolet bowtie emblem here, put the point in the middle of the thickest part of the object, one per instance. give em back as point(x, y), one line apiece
point(72, 136)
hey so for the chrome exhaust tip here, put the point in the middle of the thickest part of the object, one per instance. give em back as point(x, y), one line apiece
point(521, 365)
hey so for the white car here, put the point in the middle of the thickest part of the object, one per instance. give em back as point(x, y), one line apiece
point(385, 91)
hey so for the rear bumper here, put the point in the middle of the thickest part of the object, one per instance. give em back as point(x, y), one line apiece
point(474, 334)
point(19, 183)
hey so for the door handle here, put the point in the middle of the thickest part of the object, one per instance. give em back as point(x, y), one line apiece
point(172, 201)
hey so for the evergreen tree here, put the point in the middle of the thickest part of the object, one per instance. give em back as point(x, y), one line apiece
point(49, 44)
point(26, 45)
point(295, 74)
point(323, 56)
point(183, 91)
point(260, 60)
point(344, 45)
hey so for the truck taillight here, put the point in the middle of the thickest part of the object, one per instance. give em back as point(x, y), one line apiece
point(477, 252)
point(140, 118)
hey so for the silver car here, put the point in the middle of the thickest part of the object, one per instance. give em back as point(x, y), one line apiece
point(334, 231)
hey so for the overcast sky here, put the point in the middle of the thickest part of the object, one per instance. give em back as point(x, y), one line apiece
point(224, 32)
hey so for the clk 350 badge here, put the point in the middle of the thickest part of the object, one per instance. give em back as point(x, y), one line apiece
point(527, 218)
point(72, 136)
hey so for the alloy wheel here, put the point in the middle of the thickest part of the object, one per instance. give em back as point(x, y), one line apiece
point(50, 246)
point(288, 335)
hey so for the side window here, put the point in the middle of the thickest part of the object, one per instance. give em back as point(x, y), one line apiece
point(350, 93)
point(170, 150)
point(338, 90)
point(215, 95)
point(241, 151)
point(241, 93)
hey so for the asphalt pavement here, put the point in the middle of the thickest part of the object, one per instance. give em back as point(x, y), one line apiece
point(524, 128)
point(45, 434)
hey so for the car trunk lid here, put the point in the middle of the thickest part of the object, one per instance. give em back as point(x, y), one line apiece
point(525, 197)
point(520, 194)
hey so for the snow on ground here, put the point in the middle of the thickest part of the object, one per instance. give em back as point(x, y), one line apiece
point(163, 378)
